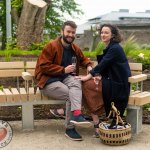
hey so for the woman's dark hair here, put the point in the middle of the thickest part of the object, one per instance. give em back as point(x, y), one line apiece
point(69, 23)
point(115, 32)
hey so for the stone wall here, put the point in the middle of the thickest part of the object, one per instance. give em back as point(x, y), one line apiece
point(85, 41)
point(142, 36)
point(88, 41)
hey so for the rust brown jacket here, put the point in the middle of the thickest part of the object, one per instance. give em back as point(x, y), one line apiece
point(49, 62)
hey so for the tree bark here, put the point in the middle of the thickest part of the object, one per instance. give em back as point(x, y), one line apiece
point(15, 15)
point(31, 23)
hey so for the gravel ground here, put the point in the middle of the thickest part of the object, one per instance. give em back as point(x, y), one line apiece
point(49, 135)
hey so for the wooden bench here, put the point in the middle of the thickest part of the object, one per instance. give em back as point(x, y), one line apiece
point(28, 96)
point(22, 96)
point(137, 98)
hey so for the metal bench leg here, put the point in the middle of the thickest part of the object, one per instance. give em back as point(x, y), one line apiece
point(134, 117)
point(27, 116)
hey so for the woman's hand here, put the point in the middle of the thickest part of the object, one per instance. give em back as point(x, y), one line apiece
point(97, 78)
point(84, 78)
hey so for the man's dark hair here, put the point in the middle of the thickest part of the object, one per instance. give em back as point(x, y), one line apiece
point(69, 23)
point(115, 32)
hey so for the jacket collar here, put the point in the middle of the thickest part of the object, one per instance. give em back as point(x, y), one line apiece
point(73, 46)
point(109, 45)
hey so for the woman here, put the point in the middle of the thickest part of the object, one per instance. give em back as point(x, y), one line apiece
point(113, 70)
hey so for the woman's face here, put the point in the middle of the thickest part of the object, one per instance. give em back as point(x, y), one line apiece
point(106, 35)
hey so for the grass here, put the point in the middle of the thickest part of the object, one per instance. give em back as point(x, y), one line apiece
point(19, 52)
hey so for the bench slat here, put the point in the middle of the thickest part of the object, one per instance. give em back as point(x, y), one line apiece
point(139, 94)
point(134, 99)
point(11, 73)
point(8, 94)
point(135, 92)
point(23, 94)
point(38, 94)
point(31, 94)
point(16, 95)
point(30, 64)
point(12, 65)
point(137, 78)
point(136, 66)
point(133, 73)
point(2, 97)
point(142, 99)
point(30, 67)
point(134, 96)
point(44, 97)
point(131, 100)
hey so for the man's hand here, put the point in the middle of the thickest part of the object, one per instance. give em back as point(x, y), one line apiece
point(69, 69)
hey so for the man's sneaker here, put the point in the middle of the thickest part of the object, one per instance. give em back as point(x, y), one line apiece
point(73, 134)
point(80, 121)
point(56, 114)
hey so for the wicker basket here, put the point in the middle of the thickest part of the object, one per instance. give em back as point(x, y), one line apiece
point(115, 136)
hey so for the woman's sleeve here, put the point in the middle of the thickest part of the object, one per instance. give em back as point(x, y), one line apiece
point(107, 60)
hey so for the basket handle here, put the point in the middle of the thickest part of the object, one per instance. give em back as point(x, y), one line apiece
point(114, 111)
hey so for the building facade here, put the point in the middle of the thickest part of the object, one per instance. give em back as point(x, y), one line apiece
point(137, 24)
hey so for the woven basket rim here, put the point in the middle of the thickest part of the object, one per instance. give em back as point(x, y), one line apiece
point(114, 129)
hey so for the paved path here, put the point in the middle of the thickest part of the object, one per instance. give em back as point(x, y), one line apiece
point(49, 135)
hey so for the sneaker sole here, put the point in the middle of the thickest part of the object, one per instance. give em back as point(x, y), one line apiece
point(82, 124)
point(80, 139)
point(58, 116)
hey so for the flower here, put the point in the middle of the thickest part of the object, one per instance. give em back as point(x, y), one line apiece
point(141, 55)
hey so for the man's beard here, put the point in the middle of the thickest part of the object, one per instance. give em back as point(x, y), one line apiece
point(65, 39)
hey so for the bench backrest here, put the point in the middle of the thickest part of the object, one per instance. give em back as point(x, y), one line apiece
point(11, 69)
point(30, 67)
point(136, 68)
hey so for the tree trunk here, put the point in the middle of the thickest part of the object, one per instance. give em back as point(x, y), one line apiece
point(31, 23)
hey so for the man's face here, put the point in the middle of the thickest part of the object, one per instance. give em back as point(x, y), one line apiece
point(68, 34)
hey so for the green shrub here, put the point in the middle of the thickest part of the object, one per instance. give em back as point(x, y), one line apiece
point(130, 44)
point(141, 56)
point(38, 46)
point(7, 56)
point(147, 107)
point(99, 48)
point(86, 49)
point(11, 44)
point(16, 52)
point(90, 54)
point(1, 88)
point(145, 47)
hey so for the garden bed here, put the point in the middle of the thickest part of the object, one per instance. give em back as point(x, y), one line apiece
point(42, 112)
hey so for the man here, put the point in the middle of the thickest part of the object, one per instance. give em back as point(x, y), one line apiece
point(54, 75)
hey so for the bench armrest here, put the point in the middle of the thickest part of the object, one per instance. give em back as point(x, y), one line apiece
point(137, 78)
point(27, 76)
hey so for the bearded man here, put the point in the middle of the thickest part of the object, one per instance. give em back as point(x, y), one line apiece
point(55, 78)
